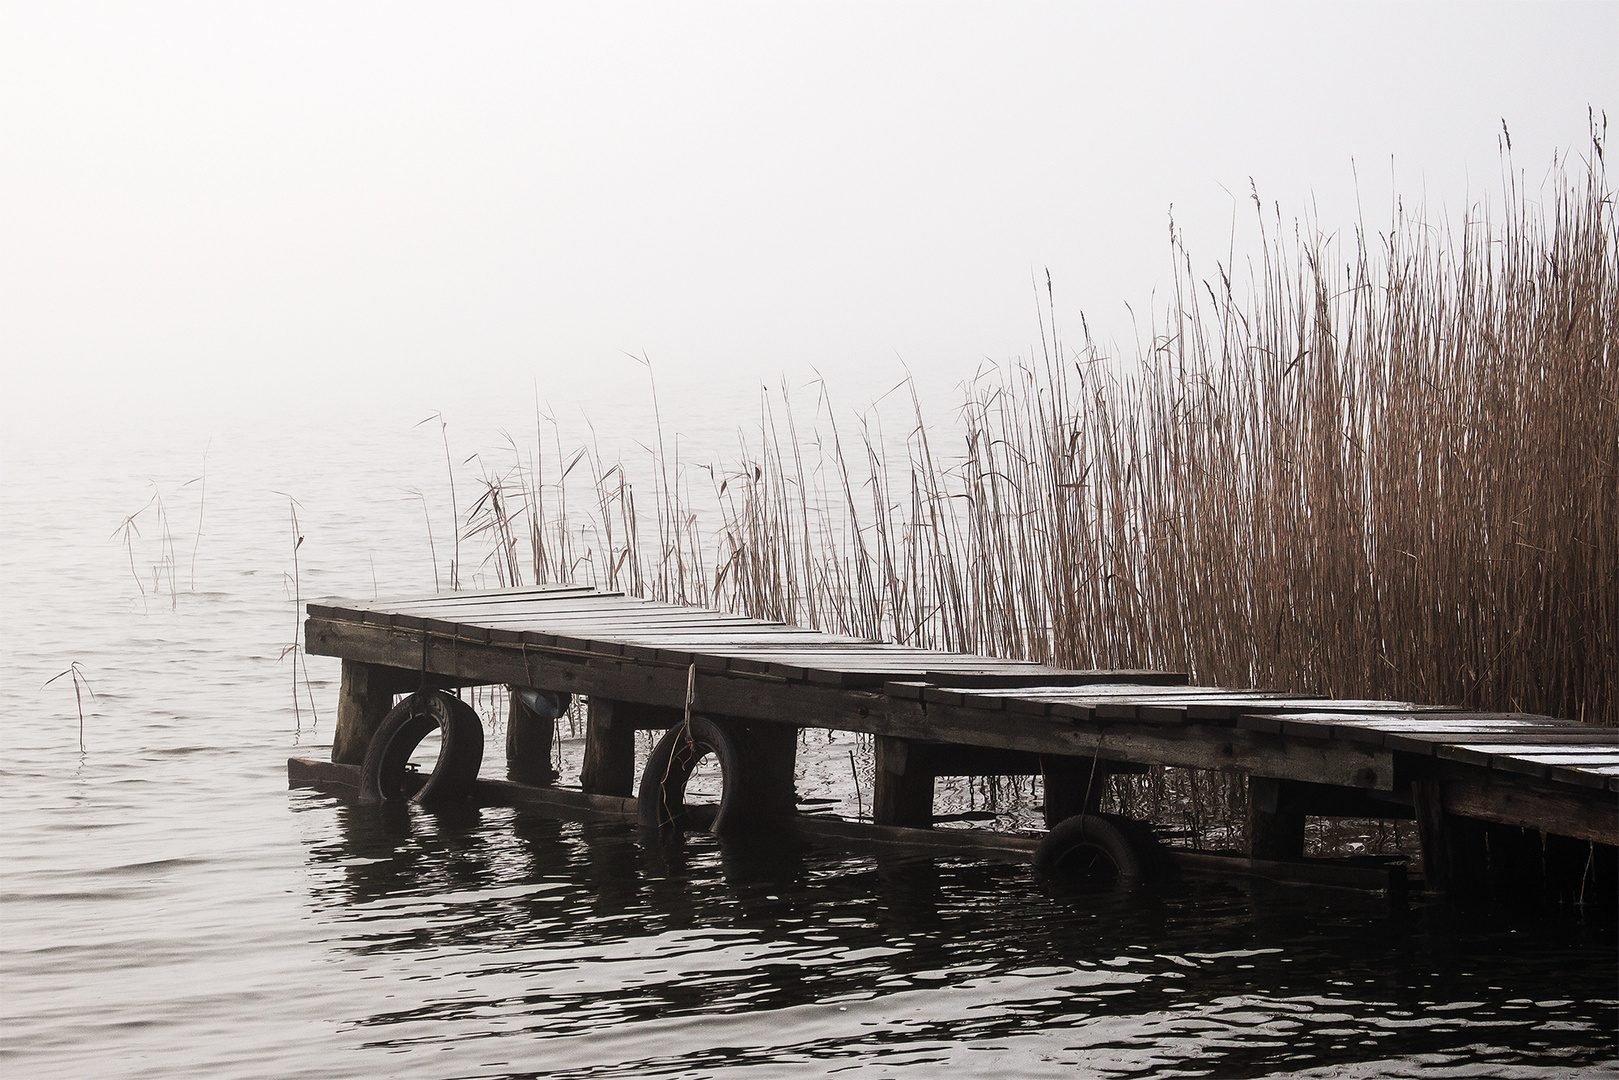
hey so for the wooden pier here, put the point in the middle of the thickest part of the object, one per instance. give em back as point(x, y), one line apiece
point(1502, 802)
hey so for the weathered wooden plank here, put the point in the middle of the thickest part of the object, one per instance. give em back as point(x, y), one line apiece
point(515, 592)
point(609, 631)
point(1317, 703)
point(1422, 735)
point(1561, 810)
point(530, 664)
point(349, 606)
point(1027, 706)
point(580, 605)
point(767, 640)
point(1558, 755)
point(842, 709)
point(1576, 775)
point(649, 622)
point(1191, 745)
point(1073, 785)
point(1444, 721)
point(906, 689)
point(365, 695)
point(1449, 752)
point(1553, 737)
point(587, 600)
point(1455, 856)
point(1142, 692)
point(872, 660)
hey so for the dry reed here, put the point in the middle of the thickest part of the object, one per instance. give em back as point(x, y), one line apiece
point(1385, 469)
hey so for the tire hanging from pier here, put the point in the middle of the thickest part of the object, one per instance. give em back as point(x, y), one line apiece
point(386, 776)
point(1100, 847)
point(662, 796)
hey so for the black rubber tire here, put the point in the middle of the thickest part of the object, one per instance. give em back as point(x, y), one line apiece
point(661, 801)
point(384, 776)
point(1100, 847)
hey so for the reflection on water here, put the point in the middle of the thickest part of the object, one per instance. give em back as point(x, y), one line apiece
point(523, 945)
point(169, 910)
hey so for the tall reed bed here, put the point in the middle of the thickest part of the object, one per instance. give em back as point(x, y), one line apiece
point(1385, 466)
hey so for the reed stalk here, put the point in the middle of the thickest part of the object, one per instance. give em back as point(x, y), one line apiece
point(1386, 465)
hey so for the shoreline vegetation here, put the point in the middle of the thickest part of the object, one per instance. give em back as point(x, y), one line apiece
point(1390, 469)
point(1385, 467)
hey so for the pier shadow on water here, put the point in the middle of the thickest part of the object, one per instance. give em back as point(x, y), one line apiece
point(523, 945)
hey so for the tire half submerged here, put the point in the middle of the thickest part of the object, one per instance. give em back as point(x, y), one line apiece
point(386, 776)
point(661, 800)
point(1101, 848)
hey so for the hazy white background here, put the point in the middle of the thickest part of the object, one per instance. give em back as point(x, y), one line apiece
point(212, 212)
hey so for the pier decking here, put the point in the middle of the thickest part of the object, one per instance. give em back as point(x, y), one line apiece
point(1473, 781)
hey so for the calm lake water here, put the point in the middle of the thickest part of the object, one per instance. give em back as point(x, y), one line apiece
point(170, 909)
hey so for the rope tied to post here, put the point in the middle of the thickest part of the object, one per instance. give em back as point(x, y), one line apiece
point(690, 746)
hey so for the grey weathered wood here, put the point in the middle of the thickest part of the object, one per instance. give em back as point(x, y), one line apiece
point(528, 744)
point(364, 697)
point(1455, 852)
point(1073, 785)
point(609, 765)
point(773, 757)
point(1275, 819)
point(1433, 834)
point(1198, 746)
point(903, 792)
point(1339, 756)
point(1563, 811)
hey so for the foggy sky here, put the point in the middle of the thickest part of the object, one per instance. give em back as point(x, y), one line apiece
point(216, 206)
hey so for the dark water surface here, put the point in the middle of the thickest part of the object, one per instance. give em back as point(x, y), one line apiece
point(169, 909)
point(574, 949)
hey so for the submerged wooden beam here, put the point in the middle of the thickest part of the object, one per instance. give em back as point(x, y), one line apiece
point(566, 803)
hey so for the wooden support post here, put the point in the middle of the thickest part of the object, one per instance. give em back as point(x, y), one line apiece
point(528, 745)
point(609, 767)
point(1073, 785)
point(1516, 873)
point(1432, 836)
point(773, 749)
point(1275, 819)
point(363, 700)
point(904, 785)
point(1455, 854)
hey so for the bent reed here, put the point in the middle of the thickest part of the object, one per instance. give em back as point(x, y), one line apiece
point(1388, 468)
